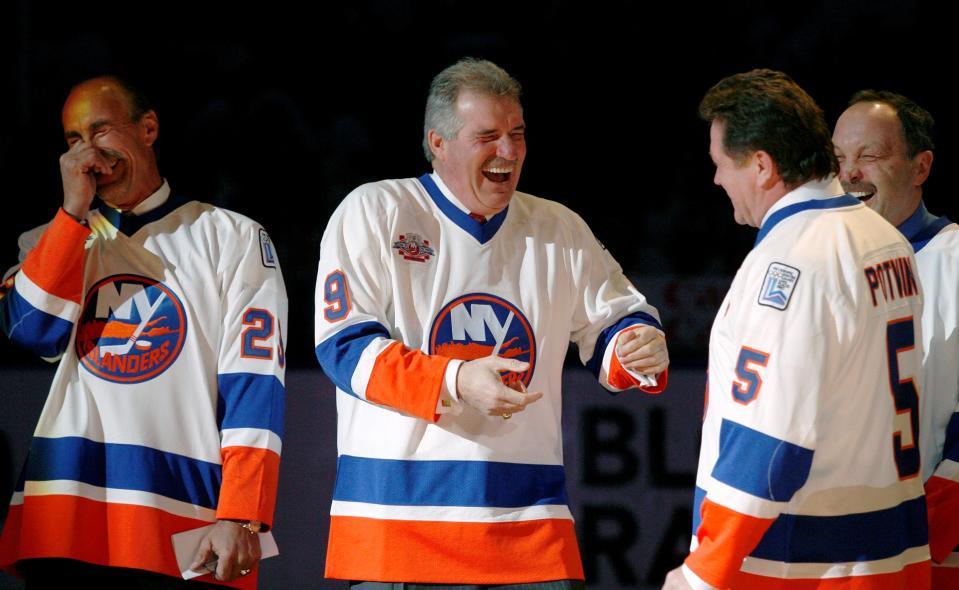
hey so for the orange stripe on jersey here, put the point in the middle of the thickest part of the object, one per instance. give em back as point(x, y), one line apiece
point(942, 503)
point(915, 576)
point(726, 537)
point(452, 552)
point(248, 491)
point(945, 578)
point(117, 535)
point(56, 263)
point(408, 380)
point(619, 377)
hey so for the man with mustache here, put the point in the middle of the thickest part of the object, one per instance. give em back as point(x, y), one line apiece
point(445, 305)
point(165, 413)
point(809, 472)
point(884, 145)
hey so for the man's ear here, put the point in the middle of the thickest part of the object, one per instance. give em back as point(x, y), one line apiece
point(767, 173)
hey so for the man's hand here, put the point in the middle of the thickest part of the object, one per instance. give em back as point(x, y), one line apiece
point(233, 547)
point(675, 580)
point(479, 385)
point(77, 168)
point(643, 349)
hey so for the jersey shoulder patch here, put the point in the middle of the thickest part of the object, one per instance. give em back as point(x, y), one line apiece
point(778, 285)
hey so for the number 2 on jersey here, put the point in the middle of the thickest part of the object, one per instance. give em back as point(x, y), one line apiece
point(900, 337)
point(256, 334)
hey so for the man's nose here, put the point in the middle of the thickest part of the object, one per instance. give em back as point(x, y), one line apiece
point(849, 172)
point(507, 148)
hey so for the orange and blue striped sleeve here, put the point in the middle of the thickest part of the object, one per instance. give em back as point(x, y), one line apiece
point(41, 302)
point(353, 339)
point(742, 505)
point(251, 381)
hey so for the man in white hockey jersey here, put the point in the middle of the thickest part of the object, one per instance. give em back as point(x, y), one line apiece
point(884, 145)
point(809, 473)
point(166, 411)
point(440, 301)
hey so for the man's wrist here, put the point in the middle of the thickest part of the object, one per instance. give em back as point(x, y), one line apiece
point(76, 218)
point(252, 526)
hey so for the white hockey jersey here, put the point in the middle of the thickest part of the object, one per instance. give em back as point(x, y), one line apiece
point(407, 281)
point(809, 473)
point(166, 411)
point(936, 242)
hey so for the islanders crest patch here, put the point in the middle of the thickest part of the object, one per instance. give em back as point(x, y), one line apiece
point(131, 329)
point(479, 324)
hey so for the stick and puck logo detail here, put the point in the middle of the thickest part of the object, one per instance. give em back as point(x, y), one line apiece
point(479, 324)
point(131, 329)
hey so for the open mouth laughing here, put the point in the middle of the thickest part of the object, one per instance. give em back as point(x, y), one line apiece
point(500, 172)
point(863, 192)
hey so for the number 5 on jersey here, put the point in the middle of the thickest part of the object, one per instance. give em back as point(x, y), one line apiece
point(901, 337)
point(748, 381)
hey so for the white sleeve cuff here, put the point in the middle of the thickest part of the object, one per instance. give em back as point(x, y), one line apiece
point(695, 581)
point(449, 402)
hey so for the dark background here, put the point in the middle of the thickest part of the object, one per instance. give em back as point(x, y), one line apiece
point(280, 110)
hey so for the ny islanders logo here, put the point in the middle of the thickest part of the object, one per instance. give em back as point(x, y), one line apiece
point(477, 325)
point(132, 329)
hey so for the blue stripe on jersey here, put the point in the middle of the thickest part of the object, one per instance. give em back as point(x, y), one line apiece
point(42, 333)
point(427, 483)
point(759, 464)
point(340, 353)
point(922, 226)
point(606, 337)
point(127, 467)
point(789, 210)
point(248, 400)
point(483, 232)
point(866, 536)
point(920, 240)
point(698, 496)
point(950, 449)
point(131, 224)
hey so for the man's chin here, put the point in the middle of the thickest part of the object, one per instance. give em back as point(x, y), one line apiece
point(111, 195)
point(498, 201)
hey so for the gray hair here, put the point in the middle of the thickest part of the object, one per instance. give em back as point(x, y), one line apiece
point(476, 75)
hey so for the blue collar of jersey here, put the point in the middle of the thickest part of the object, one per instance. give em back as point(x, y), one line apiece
point(483, 232)
point(922, 226)
point(790, 210)
point(129, 224)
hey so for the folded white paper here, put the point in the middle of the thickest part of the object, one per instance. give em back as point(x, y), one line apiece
point(187, 543)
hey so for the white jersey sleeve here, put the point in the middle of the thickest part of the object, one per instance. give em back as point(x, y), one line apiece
point(357, 343)
point(609, 304)
point(250, 375)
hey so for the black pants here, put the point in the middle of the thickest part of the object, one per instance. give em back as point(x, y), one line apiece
point(56, 574)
